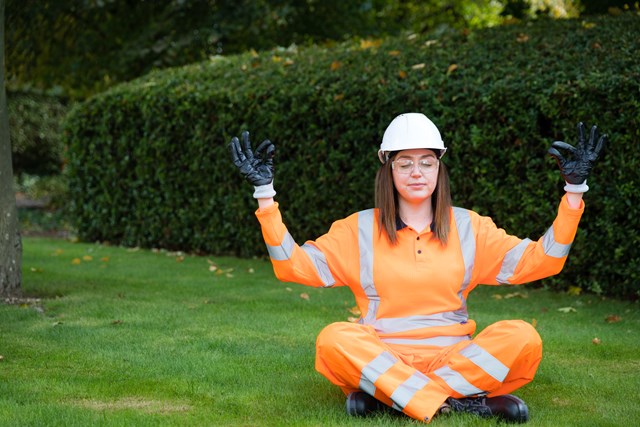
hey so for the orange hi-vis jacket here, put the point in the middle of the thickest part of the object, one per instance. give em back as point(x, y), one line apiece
point(415, 292)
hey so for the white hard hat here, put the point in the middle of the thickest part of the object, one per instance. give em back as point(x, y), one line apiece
point(409, 131)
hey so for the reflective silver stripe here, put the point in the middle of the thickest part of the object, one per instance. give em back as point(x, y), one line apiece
point(405, 391)
point(371, 372)
point(403, 324)
point(468, 248)
point(283, 251)
point(511, 260)
point(553, 248)
point(486, 361)
point(365, 246)
point(434, 341)
point(457, 382)
point(467, 242)
point(320, 262)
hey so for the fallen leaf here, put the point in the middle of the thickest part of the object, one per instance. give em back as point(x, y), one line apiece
point(567, 310)
point(251, 271)
point(418, 66)
point(430, 43)
point(288, 289)
point(224, 271)
point(1, 358)
point(522, 38)
point(87, 258)
point(117, 322)
point(304, 296)
point(338, 97)
point(402, 74)
point(496, 296)
point(57, 252)
point(335, 65)
point(574, 290)
point(394, 52)
point(596, 341)
point(355, 311)
point(613, 318)
point(104, 259)
point(452, 68)
point(136, 249)
point(516, 295)
point(534, 323)
point(179, 259)
point(75, 261)
point(368, 44)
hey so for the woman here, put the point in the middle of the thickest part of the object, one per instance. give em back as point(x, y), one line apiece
point(411, 264)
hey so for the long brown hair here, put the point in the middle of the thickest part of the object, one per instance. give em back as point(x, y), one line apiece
point(386, 200)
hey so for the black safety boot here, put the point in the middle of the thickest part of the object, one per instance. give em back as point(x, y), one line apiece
point(507, 407)
point(361, 404)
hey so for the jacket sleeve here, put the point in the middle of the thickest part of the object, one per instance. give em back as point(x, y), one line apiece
point(505, 259)
point(315, 263)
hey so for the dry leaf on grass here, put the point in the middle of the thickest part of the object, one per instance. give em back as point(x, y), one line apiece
point(574, 290)
point(516, 295)
point(613, 318)
point(368, 44)
point(355, 311)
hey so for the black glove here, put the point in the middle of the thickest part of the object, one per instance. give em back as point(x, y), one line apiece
point(256, 168)
point(576, 170)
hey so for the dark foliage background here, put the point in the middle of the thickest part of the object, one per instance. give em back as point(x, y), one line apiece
point(149, 164)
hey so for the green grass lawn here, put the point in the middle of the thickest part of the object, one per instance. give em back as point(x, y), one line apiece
point(125, 337)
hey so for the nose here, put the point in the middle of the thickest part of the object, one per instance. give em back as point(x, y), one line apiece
point(415, 170)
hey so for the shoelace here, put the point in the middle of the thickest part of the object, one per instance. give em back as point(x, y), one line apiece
point(471, 405)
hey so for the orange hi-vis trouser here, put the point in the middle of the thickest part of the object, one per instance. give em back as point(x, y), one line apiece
point(418, 379)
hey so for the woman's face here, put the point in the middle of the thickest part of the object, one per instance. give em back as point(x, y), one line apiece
point(415, 174)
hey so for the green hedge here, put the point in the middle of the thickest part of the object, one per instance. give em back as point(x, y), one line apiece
point(149, 164)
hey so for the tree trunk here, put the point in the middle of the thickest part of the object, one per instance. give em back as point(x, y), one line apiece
point(10, 243)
